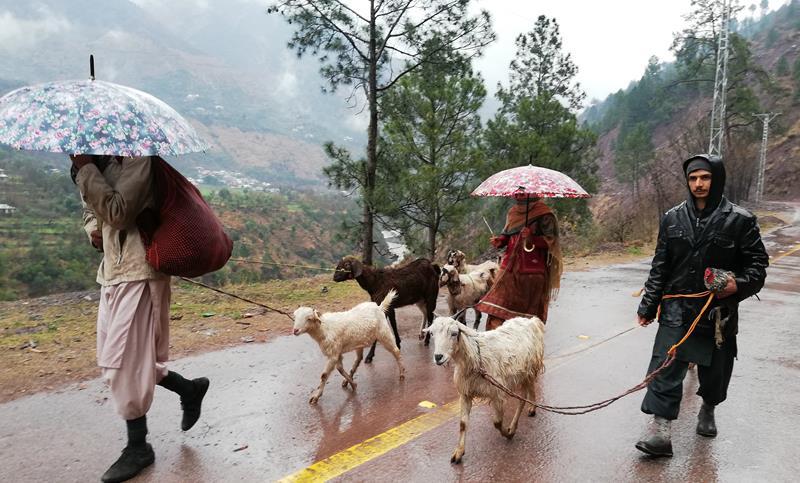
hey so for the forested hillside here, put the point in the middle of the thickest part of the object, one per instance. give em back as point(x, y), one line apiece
point(646, 130)
point(44, 250)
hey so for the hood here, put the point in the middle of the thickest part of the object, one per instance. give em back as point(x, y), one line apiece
point(717, 181)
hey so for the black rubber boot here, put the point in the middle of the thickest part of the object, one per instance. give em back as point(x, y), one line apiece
point(135, 457)
point(706, 426)
point(657, 441)
point(191, 393)
point(191, 405)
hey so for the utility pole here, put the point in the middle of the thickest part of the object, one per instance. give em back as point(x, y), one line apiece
point(762, 161)
point(720, 83)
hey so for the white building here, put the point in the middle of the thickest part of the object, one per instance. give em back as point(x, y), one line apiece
point(7, 209)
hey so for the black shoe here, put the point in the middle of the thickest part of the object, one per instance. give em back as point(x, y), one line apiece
point(706, 426)
point(132, 461)
point(657, 441)
point(655, 446)
point(191, 406)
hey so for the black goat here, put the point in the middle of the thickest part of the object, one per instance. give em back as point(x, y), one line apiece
point(416, 282)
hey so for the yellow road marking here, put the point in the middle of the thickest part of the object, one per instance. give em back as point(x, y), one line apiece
point(361, 453)
point(365, 451)
point(786, 254)
point(370, 449)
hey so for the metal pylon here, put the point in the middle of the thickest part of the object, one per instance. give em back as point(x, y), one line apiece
point(720, 83)
point(762, 160)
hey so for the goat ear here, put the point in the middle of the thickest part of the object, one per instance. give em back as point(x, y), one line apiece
point(317, 316)
point(356, 268)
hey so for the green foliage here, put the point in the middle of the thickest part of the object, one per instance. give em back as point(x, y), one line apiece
point(634, 155)
point(782, 67)
point(532, 125)
point(542, 68)
point(796, 75)
point(430, 150)
point(772, 37)
point(363, 48)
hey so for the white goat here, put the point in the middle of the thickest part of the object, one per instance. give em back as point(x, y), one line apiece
point(464, 290)
point(513, 354)
point(340, 332)
point(457, 259)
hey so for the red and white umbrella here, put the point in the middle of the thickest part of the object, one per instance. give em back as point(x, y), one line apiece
point(533, 181)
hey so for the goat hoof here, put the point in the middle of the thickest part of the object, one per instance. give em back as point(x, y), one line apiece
point(368, 360)
point(456, 458)
point(345, 383)
point(532, 413)
point(421, 335)
point(313, 400)
point(509, 434)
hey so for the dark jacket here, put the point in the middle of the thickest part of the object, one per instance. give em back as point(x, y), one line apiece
point(723, 235)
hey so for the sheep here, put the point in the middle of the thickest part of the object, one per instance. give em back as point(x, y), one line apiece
point(340, 332)
point(457, 259)
point(464, 291)
point(513, 354)
point(415, 282)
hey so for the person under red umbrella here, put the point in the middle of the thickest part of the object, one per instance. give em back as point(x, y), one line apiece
point(531, 266)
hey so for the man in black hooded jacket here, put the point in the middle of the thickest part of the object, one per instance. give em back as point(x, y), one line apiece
point(705, 231)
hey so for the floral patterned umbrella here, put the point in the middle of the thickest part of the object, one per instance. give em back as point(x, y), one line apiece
point(94, 117)
point(533, 181)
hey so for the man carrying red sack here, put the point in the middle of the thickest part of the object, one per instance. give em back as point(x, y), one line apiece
point(133, 317)
point(705, 243)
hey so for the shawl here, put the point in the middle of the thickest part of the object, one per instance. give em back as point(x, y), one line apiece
point(515, 219)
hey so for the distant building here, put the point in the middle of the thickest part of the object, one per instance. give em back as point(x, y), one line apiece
point(7, 209)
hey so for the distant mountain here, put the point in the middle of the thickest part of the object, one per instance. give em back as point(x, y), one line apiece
point(775, 45)
point(221, 63)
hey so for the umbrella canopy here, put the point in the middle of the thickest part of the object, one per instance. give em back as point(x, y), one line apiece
point(533, 181)
point(94, 117)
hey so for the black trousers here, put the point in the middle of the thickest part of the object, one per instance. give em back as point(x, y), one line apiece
point(664, 393)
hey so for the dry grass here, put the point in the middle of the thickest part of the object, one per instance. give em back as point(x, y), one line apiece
point(48, 342)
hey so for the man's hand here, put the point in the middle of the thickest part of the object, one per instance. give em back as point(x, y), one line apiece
point(97, 240)
point(729, 289)
point(80, 160)
point(642, 321)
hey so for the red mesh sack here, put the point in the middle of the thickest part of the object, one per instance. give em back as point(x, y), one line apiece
point(184, 238)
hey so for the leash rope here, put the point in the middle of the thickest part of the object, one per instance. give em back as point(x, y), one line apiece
point(237, 297)
point(587, 408)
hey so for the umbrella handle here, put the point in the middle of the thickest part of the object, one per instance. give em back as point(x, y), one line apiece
point(525, 246)
point(91, 67)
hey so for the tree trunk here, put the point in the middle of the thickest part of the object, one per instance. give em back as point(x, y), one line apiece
point(367, 223)
point(432, 241)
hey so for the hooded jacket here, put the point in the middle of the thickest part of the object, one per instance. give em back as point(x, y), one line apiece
point(723, 235)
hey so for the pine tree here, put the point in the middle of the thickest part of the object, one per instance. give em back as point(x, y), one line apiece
point(371, 50)
point(430, 149)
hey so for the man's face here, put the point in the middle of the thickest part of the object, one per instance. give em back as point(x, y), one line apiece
point(700, 183)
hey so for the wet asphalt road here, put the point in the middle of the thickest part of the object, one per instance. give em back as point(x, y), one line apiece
point(258, 426)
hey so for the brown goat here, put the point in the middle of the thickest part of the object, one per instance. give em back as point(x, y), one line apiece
point(416, 283)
